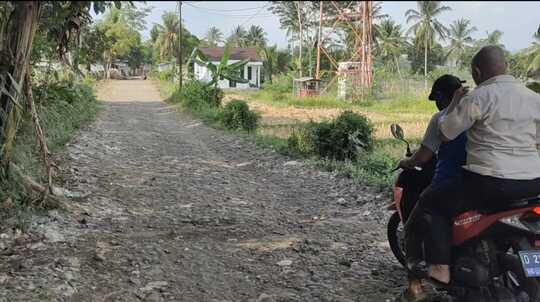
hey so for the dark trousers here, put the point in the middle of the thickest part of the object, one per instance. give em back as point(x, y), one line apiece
point(431, 219)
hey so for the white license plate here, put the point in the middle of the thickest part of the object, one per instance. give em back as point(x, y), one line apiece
point(530, 260)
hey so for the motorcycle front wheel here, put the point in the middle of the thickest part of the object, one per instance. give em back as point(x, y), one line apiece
point(396, 237)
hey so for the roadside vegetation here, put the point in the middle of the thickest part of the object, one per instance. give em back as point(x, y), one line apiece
point(407, 59)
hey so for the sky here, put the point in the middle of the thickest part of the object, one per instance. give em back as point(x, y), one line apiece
point(518, 20)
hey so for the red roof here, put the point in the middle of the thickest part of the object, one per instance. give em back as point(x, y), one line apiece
point(215, 54)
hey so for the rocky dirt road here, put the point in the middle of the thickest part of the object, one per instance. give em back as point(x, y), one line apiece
point(164, 208)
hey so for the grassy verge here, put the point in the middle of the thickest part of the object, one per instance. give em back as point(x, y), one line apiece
point(62, 111)
point(283, 114)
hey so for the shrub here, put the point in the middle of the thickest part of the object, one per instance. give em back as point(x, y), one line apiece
point(281, 84)
point(344, 137)
point(340, 139)
point(301, 140)
point(236, 115)
point(196, 94)
point(534, 86)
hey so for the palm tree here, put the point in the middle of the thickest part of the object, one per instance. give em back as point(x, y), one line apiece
point(256, 36)
point(426, 27)
point(390, 42)
point(460, 39)
point(534, 53)
point(494, 38)
point(167, 40)
point(237, 37)
point(213, 36)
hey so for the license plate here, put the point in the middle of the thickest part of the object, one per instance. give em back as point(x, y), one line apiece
point(530, 260)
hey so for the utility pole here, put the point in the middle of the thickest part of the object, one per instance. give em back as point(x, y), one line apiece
point(300, 33)
point(318, 70)
point(180, 74)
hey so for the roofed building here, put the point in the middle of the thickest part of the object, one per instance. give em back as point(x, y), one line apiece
point(252, 70)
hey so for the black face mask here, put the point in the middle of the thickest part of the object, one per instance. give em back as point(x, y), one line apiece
point(442, 103)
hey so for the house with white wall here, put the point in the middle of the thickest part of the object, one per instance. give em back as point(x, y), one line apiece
point(252, 70)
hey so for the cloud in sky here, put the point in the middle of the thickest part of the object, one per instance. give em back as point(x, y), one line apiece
point(518, 20)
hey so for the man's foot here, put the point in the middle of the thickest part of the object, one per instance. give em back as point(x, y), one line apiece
point(407, 296)
point(417, 269)
point(440, 273)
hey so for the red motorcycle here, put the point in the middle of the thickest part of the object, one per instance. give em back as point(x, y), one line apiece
point(495, 255)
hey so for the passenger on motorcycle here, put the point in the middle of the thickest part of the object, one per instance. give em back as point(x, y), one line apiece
point(502, 120)
point(450, 157)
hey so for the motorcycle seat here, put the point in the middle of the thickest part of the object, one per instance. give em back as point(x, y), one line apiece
point(515, 204)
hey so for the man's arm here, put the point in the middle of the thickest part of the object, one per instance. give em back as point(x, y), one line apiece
point(418, 159)
point(430, 145)
point(461, 115)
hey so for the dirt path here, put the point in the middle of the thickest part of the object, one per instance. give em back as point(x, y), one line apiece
point(166, 209)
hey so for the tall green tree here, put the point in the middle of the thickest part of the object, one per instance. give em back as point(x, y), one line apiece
point(460, 41)
point(213, 37)
point(391, 42)
point(426, 27)
point(166, 34)
point(533, 54)
point(238, 37)
point(119, 35)
point(256, 36)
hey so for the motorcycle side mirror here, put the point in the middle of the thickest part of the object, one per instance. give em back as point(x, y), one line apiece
point(397, 132)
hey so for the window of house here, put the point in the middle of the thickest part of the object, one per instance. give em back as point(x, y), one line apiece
point(249, 73)
point(242, 74)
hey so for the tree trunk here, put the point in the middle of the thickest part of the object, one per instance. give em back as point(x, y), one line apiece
point(300, 42)
point(397, 67)
point(425, 63)
point(20, 33)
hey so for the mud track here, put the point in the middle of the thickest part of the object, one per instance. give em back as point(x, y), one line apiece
point(164, 208)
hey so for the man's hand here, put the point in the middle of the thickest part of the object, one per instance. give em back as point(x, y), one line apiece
point(407, 164)
point(460, 93)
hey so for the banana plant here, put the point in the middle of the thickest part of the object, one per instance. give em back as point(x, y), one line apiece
point(231, 72)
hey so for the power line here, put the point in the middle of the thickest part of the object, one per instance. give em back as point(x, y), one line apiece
point(226, 15)
point(249, 19)
point(225, 10)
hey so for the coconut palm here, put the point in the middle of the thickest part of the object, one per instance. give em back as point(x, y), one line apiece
point(256, 36)
point(237, 37)
point(167, 40)
point(391, 42)
point(460, 40)
point(213, 36)
point(534, 53)
point(494, 38)
point(426, 27)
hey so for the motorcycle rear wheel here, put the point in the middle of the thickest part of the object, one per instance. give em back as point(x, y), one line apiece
point(396, 235)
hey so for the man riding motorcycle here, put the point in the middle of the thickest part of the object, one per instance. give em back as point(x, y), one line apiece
point(502, 120)
point(449, 156)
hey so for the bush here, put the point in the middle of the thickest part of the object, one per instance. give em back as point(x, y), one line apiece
point(236, 115)
point(534, 86)
point(281, 84)
point(344, 137)
point(196, 95)
point(340, 139)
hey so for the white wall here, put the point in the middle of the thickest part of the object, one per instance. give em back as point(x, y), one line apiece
point(203, 74)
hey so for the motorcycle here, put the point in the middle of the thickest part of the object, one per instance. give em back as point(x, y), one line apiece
point(495, 255)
